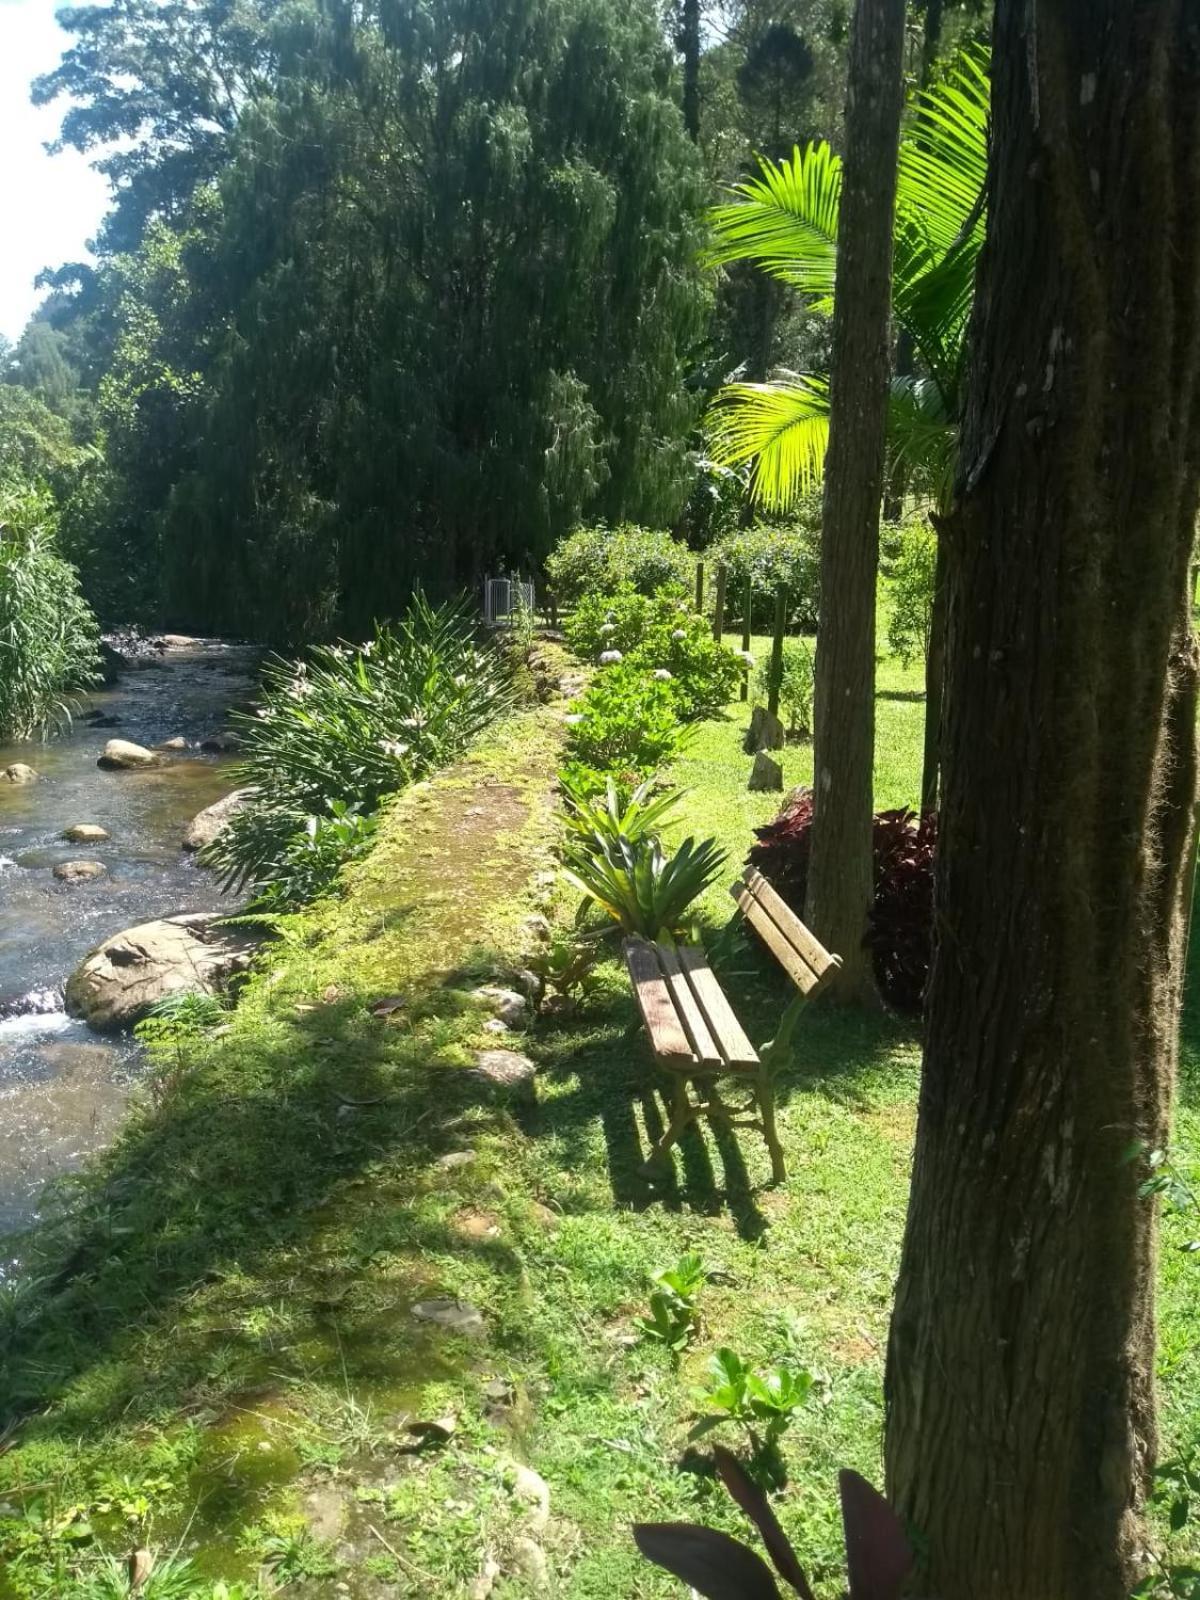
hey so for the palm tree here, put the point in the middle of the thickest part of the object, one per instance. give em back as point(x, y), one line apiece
point(786, 221)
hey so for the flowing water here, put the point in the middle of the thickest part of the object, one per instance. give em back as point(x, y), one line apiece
point(62, 1088)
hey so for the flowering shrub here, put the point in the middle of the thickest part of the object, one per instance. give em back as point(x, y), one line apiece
point(900, 925)
point(660, 634)
point(625, 724)
point(594, 560)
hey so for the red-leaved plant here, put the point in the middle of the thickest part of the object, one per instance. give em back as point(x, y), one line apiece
point(900, 926)
point(878, 1558)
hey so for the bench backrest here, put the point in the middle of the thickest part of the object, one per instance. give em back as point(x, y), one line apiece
point(805, 960)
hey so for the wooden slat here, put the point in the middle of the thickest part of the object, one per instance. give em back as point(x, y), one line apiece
point(788, 957)
point(667, 1038)
point(811, 948)
point(690, 1014)
point(726, 1029)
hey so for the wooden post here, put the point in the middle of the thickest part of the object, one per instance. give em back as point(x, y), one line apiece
point(719, 605)
point(748, 604)
point(700, 586)
point(747, 601)
point(776, 675)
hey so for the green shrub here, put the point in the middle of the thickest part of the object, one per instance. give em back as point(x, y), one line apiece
point(913, 569)
point(625, 723)
point(659, 633)
point(795, 684)
point(49, 639)
point(593, 560)
point(771, 554)
point(337, 733)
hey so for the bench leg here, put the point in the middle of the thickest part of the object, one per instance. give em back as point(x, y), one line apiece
point(766, 1106)
point(683, 1114)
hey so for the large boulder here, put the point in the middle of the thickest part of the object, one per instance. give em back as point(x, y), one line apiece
point(214, 819)
point(122, 756)
point(19, 773)
point(119, 981)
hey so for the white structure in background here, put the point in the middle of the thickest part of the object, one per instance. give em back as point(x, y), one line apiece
point(503, 596)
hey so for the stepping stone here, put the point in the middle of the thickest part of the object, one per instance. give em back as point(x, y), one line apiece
point(509, 1006)
point(454, 1160)
point(84, 833)
point(456, 1316)
point(79, 871)
point(505, 1070)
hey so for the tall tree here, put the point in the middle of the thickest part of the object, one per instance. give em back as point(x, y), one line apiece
point(1021, 1416)
point(840, 877)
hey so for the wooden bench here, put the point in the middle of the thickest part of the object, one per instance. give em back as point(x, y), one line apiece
point(696, 1037)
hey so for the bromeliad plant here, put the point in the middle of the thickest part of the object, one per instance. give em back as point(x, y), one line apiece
point(719, 1567)
point(674, 1318)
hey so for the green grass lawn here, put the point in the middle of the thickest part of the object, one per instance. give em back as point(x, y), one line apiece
point(217, 1347)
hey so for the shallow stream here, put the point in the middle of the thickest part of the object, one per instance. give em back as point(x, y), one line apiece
point(62, 1088)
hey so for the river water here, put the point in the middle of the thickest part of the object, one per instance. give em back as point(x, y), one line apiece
point(63, 1088)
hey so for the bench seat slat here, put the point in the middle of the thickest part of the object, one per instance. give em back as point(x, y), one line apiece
point(788, 957)
point(667, 1038)
point(727, 1030)
point(810, 949)
point(695, 1024)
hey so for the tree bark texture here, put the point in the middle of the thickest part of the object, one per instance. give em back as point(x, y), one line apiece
point(689, 41)
point(935, 675)
point(1020, 1382)
point(840, 872)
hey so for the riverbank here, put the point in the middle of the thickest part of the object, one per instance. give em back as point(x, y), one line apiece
point(335, 1318)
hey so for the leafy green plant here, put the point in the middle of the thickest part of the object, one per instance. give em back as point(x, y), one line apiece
point(878, 1558)
point(626, 722)
point(49, 639)
point(913, 568)
point(762, 1403)
point(795, 684)
point(171, 1577)
point(770, 556)
point(338, 732)
point(663, 635)
point(1176, 1494)
point(616, 816)
point(635, 882)
point(564, 967)
point(674, 1319)
point(596, 560)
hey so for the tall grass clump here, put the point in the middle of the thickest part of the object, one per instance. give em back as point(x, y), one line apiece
point(49, 639)
point(338, 732)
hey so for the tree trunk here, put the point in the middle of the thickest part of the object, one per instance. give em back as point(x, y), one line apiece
point(689, 44)
point(931, 39)
point(1021, 1421)
point(840, 871)
point(935, 676)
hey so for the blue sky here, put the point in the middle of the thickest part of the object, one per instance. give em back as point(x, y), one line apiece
point(49, 205)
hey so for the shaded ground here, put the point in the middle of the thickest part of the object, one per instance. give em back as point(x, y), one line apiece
point(222, 1346)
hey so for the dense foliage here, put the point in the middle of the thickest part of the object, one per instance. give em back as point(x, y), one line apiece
point(661, 635)
point(597, 560)
point(338, 732)
point(625, 724)
point(388, 294)
point(795, 684)
point(911, 565)
point(49, 640)
point(770, 556)
point(900, 926)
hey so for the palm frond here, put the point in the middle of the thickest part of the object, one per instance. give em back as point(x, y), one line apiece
point(785, 221)
point(923, 436)
point(783, 428)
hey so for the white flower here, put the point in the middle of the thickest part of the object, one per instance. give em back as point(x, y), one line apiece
point(608, 627)
point(609, 658)
point(679, 634)
point(745, 656)
point(662, 675)
point(573, 719)
point(392, 747)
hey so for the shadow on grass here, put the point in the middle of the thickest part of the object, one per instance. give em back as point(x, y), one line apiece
point(244, 1182)
point(603, 1073)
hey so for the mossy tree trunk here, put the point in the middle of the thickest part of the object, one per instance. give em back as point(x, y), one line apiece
point(1020, 1383)
point(840, 872)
